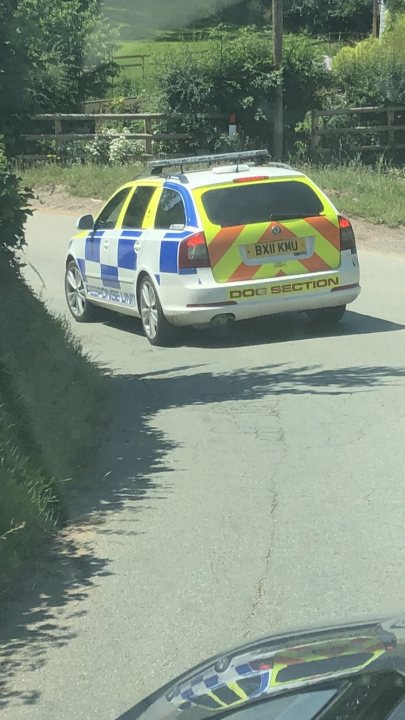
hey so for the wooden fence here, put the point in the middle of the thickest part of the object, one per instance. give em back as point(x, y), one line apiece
point(132, 61)
point(128, 104)
point(88, 125)
point(384, 136)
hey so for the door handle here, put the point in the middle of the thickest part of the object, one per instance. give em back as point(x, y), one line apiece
point(106, 245)
point(137, 246)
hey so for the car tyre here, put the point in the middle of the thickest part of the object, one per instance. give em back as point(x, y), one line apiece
point(327, 317)
point(156, 327)
point(78, 304)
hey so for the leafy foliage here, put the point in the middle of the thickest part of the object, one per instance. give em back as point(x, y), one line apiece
point(13, 210)
point(109, 150)
point(396, 7)
point(332, 16)
point(13, 75)
point(240, 78)
point(312, 15)
point(14, 98)
point(69, 48)
point(373, 72)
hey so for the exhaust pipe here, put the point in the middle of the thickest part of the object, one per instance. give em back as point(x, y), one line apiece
point(224, 319)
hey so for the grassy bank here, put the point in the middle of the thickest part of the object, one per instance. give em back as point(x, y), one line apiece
point(372, 194)
point(366, 192)
point(50, 408)
point(91, 181)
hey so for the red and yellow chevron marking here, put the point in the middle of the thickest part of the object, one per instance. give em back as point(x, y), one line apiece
point(224, 244)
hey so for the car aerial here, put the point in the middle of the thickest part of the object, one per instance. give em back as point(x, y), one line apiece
point(203, 247)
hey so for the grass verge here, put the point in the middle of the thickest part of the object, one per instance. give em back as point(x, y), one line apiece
point(93, 181)
point(362, 191)
point(365, 192)
point(50, 407)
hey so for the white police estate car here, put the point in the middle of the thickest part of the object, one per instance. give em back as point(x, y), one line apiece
point(248, 239)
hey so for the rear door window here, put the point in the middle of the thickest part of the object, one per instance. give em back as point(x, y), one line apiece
point(170, 212)
point(260, 203)
point(138, 206)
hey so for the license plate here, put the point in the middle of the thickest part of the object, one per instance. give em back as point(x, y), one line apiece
point(275, 248)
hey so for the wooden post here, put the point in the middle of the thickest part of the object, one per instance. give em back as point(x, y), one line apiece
point(58, 131)
point(376, 7)
point(148, 141)
point(278, 120)
point(391, 132)
point(383, 9)
point(314, 135)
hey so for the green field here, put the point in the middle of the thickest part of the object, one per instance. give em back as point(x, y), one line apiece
point(150, 53)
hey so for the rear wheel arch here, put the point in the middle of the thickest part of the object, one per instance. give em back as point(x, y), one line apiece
point(165, 332)
point(139, 279)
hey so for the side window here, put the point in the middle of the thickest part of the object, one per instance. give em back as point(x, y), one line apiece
point(138, 206)
point(108, 217)
point(170, 210)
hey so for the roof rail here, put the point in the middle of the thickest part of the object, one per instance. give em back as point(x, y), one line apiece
point(157, 166)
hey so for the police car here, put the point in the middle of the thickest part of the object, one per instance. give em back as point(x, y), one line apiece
point(233, 681)
point(240, 239)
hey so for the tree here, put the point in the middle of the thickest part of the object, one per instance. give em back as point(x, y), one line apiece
point(15, 103)
point(331, 16)
point(317, 16)
point(69, 48)
point(396, 7)
point(13, 74)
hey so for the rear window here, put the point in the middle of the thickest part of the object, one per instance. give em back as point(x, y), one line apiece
point(260, 203)
point(322, 667)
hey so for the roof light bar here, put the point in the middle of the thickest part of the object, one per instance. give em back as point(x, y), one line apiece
point(158, 166)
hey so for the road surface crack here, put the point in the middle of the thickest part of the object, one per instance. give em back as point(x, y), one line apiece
point(260, 587)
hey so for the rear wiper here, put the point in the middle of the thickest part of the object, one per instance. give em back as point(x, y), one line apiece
point(292, 216)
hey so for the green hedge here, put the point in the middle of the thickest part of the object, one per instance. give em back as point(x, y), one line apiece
point(373, 72)
point(238, 77)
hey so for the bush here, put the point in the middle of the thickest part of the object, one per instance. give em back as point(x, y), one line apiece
point(333, 16)
point(69, 47)
point(13, 210)
point(109, 150)
point(373, 72)
point(239, 78)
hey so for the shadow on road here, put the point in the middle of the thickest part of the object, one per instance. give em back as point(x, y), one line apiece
point(262, 331)
point(39, 614)
point(133, 470)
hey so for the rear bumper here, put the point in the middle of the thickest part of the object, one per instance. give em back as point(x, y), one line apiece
point(206, 315)
point(203, 300)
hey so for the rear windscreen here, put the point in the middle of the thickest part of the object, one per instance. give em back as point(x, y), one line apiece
point(259, 203)
point(299, 671)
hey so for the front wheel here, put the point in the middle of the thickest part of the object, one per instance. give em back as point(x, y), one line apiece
point(79, 306)
point(157, 329)
point(327, 317)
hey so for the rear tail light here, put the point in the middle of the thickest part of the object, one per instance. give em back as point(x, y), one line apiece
point(193, 252)
point(347, 239)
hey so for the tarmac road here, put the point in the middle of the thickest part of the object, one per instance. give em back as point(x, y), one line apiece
point(246, 484)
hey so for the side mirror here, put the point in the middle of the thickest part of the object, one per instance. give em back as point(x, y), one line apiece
point(86, 222)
